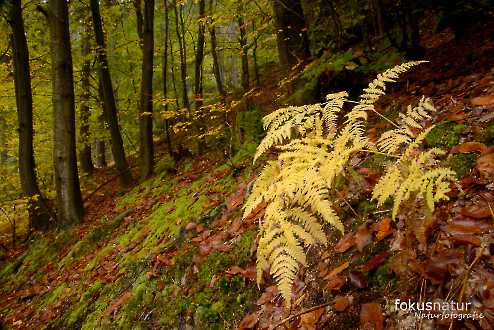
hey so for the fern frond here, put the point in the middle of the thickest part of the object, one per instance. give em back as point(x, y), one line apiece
point(313, 151)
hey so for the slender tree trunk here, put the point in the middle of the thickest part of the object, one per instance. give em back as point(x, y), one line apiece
point(214, 53)
point(85, 153)
point(174, 80)
point(291, 35)
point(140, 21)
point(146, 114)
point(100, 144)
point(38, 212)
point(199, 57)
point(69, 199)
point(165, 79)
point(100, 154)
point(180, 29)
point(243, 45)
point(198, 92)
point(110, 107)
point(254, 57)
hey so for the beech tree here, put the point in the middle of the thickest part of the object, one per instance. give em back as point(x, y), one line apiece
point(68, 193)
point(110, 106)
point(291, 35)
point(85, 153)
point(146, 104)
point(38, 212)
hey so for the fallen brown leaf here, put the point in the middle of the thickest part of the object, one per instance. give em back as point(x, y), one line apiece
point(121, 300)
point(338, 269)
point(468, 147)
point(309, 320)
point(363, 237)
point(341, 303)
point(249, 321)
point(345, 243)
point(485, 165)
point(335, 282)
point(371, 314)
point(374, 262)
point(483, 100)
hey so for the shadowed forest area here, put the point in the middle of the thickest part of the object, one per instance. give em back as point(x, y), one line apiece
point(251, 164)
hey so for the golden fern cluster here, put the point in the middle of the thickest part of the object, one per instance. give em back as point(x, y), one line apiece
point(415, 171)
point(298, 186)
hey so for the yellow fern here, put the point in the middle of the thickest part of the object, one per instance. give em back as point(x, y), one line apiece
point(299, 185)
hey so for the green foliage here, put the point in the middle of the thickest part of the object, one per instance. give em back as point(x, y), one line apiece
point(461, 163)
point(445, 135)
point(486, 135)
point(299, 187)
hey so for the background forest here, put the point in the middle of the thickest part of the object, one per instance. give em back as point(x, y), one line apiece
point(127, 133)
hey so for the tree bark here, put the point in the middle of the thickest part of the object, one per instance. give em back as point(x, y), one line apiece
point(199, 57)
point(85, 153)
point(69, 199)
point(198, 91)
point(254, 57)
point(179, 28)
point(291, 34)
point(214, 53)
point(244, 50)
point(38, 213)
point(174, 80)
point(110, 107)
point(146, 112)
point(140, 21)
point(165, 79)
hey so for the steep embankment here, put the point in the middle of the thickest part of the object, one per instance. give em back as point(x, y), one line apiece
point(173, 252)
point(170, 252)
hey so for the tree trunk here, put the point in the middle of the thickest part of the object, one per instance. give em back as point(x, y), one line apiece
point(174, 80)
point(140, 21)
point(198, 91)
point(291, 34)
point(243, 45)
point(199, 57)
point(85, 153)
point(180, 29)
point(69, 199)
point(146, 114)
point(110, 107)
point(214, 53)
point(254, 56)
point(38, 212)
point(165, 77)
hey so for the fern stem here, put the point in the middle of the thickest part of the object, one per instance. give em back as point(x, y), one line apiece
point(379, 114)
point(380, 153)
point(386, 118)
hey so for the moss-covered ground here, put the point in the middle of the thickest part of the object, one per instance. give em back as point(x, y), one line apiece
point(159, 259)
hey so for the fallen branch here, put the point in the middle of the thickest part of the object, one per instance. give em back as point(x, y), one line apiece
point(291, 317)
point(113, 178)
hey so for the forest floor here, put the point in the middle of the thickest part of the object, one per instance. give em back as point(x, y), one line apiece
point(174, 253)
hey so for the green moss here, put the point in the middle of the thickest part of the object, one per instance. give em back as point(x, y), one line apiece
point(99, 255)
point(50, 297)
point(142, 296)
point(84, 305)
point(247, 150)
point(486, 135)
point(365, 207)
point(129, 198)
point(375, 161)
point(241, 252)
point(81, 248)
point(461, 163)
point(445, 135)
point(214, 263)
